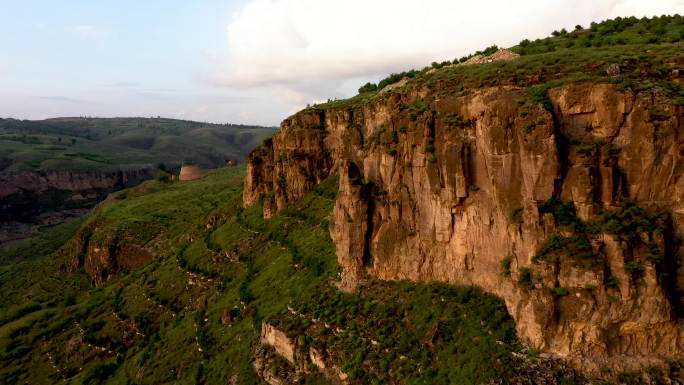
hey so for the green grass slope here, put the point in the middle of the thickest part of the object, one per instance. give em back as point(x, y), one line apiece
point(92, 144)
point(193, 314)
point(648, 51)
point(162, 324)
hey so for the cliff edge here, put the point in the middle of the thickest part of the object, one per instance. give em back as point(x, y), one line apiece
point(568, 207)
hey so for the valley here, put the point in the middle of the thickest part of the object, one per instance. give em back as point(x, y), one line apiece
point(57, 169)
point(513, 216)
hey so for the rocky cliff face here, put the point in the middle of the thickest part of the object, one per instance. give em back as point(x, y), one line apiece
point(300, 360)
point(50, 197)
point(42, 181)
point(102, 257)
point(570, 208)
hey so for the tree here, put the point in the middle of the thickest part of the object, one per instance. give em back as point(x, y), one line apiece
point(368, 87)
point(578, 27)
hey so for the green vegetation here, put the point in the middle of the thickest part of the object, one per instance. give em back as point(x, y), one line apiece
point(193, 313)
point(44, 242)
point(644, 51)
point(457, 121)
point(615, 32)
point(555, 246)
point(525, 276)
point(416, 108)
point(506, 265)
point(93, 144)
point(630, 222)
point(368, 87)
point(563, 212)
point(560, 291)
point(404, 331)
point(515, 216)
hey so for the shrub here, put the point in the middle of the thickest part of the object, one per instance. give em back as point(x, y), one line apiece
point(515, 216)
point(455, 120)
point(612, 281)
point(393, 78)
point(488, 51)
point(560, 291)
point(506, 265)
point(164, 177)
point(539, 94)
point(633, 267)
point(368, 87)
point(564, 212)
point(576, 246)
point(375, 136)
point(416, 107)
point(525, 276)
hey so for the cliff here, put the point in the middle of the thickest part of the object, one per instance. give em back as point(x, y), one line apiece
point(48, 197)
point(569, 206)
point(103, 252)
point(300, 360)
point(19, 189)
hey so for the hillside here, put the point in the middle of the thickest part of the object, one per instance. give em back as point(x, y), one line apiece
point(56, 169)
point(182, 292)
point(552, 180)
point(97, 144)
point(508, 222)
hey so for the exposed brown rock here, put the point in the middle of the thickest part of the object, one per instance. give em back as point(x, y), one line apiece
point(502, 54)
point(190, 172)
point(282, 344)
point(301, 359)
point(103, 258)
point(429, 196)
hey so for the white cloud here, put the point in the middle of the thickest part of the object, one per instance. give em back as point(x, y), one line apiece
point(307, 44)
point(86, 30)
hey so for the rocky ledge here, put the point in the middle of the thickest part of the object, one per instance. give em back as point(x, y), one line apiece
point(568, 206)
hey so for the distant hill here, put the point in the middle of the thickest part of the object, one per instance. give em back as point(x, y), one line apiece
point(552, 180)
point(55, 169)
point(99, 144)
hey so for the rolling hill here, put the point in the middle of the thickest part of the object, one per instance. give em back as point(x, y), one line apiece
point(97, 144)
point(511, 221)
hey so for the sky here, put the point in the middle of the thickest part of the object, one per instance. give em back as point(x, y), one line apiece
point(249, 61)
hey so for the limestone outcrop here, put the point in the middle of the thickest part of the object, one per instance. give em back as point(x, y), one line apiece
point(570, 209)
point(103, 257)
point(300, 359)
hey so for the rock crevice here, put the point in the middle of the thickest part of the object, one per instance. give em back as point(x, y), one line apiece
point(474, 188)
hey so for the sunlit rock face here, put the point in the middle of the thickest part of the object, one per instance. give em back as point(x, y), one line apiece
point(439, 185)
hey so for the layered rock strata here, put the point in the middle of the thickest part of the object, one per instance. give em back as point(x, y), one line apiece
point(469, 188)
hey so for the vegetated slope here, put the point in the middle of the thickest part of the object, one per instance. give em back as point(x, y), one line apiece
point(552, 180)
point(96, 144)
point(646, 51)
point(192, 313)
point(51, 170)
